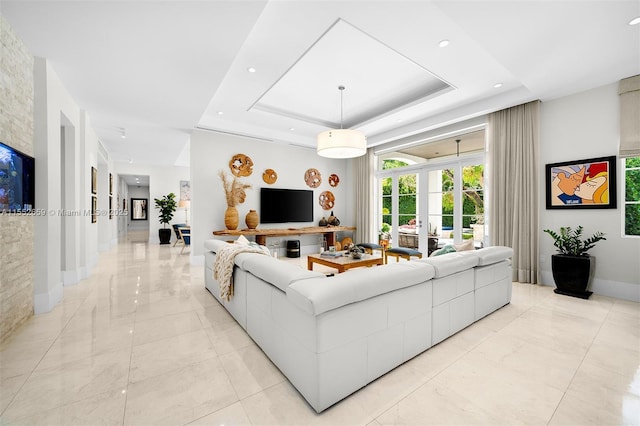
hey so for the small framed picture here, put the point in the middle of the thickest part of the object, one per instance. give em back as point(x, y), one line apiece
point(582, 184)
point(94, 180)
point(94, 209)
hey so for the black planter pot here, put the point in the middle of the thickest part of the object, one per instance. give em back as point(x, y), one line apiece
point(571, 275)
point(165, 235)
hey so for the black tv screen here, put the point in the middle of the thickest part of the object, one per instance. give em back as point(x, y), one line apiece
point(285, 205)
point(17, 180)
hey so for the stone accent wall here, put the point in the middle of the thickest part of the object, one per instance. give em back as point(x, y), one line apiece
point(16, 231)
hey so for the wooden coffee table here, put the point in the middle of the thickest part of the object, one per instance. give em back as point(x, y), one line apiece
point(342, 263)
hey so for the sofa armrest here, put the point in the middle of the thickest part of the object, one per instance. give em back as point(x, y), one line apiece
point(215, 245)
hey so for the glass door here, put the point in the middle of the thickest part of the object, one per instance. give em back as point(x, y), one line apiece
point(399, 218)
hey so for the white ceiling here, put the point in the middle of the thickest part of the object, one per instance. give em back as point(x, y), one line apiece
point(159, 69)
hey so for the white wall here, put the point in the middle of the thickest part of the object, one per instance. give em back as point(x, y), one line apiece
point(55, 108)
point(211, 152)
point(581, 126)
point(162, 180)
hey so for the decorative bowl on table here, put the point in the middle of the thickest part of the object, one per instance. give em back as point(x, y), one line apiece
point(356, 252)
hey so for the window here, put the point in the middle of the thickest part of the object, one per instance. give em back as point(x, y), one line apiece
point(632, 196)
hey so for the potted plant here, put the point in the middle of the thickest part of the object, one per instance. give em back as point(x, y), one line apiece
point(385, 231)
point(572, 266)
point(167, 206)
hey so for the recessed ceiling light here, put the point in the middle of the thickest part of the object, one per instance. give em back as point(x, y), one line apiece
point(399, 120)
point(497, 85)
point(635, 21)
point(291, 128)
point(251, 69)
point(220, 112)
point(443, 43)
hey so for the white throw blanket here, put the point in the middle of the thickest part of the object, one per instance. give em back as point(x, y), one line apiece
point(223, 267)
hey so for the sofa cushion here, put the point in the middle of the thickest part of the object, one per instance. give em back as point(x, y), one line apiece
point(451, 263)
point(449, 248)
point(214, 245)
point(316, 296)
point(495, 254)
point(276, 272)
point(466, 245)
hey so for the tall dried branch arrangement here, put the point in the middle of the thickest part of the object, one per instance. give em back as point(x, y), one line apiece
point(234, 190)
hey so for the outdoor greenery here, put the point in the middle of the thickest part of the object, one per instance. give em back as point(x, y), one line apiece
point(632, 196)
point(569, 241)
point(473, 195)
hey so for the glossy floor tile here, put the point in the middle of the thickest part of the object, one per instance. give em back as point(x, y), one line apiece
point(141, 342)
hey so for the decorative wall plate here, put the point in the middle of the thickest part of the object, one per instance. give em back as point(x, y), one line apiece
point(241, 165)
point(327, 200)
point(313, 178)
point(334, 180)
point(270, 176)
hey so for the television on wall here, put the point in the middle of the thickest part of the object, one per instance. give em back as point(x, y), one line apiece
point(285, 205)
point(17, 180)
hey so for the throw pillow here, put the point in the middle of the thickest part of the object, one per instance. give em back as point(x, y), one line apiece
point(466, 245)
point(242, 240)
point(449, 248)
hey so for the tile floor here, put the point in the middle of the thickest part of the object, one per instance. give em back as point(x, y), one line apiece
point(141, 342)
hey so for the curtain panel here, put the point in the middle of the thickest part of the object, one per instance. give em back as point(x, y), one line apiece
point(364, 196)
point(513, 140)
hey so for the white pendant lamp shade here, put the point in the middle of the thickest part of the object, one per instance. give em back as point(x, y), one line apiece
point(342, 143)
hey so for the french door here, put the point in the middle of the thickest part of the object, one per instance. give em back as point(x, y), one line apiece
point(441, 203)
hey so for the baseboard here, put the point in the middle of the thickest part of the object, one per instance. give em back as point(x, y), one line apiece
point(45, 302)
point(197, 260)
point(71, 277)
point(616, 289)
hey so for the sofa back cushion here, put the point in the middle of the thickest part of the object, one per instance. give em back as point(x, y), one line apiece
point(276, 272)
point(495, 254)
point(451, 263)
point(316, 296)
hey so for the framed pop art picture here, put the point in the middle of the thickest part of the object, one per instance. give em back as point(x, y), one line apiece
point(582, 184)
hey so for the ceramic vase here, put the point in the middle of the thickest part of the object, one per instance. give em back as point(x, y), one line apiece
point(251, 219)
point(231, 218)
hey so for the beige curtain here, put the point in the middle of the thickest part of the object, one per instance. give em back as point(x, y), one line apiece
point(513, 163)
point(629, 90)
point(364, 197)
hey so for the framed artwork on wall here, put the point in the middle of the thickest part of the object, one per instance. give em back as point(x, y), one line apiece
point(582, 184)
point(94, 209)
point(94, 180)
point(139, 209)
point(185, 190)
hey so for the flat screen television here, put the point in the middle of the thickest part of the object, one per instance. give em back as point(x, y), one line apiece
point(17, 180)
point(285, 205)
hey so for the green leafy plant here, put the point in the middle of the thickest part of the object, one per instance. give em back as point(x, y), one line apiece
point(569, 241)
point(167, 206)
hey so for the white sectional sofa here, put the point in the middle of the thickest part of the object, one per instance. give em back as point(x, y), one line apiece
point(332, 335)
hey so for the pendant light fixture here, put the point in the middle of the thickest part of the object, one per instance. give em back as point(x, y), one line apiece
point(341, 143)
